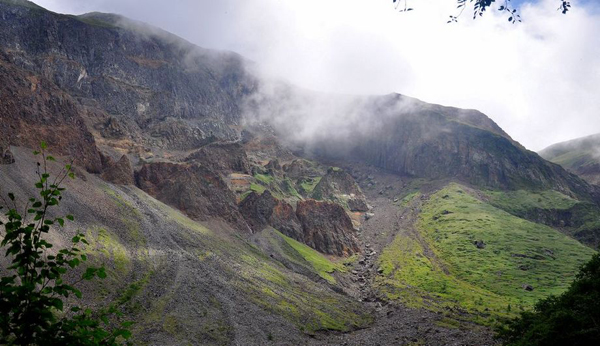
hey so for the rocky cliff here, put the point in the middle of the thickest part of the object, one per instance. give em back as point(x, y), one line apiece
point(192, 188)
point(327, 227)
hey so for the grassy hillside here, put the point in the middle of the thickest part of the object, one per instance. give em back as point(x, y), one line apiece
point(581, 155)
point(438, 263)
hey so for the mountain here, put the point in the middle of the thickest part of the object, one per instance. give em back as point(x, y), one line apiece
point(235, 209)
point(580, 156)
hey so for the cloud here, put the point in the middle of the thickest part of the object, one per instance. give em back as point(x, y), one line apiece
point(539, 79)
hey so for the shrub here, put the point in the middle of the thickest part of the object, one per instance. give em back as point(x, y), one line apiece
point(33, 292)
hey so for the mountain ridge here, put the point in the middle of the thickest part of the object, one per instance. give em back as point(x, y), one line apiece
point(580, 155)
point(190, 162)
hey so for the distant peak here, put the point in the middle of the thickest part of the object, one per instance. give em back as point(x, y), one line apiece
point(23, 3)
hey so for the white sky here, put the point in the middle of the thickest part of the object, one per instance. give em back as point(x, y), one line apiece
point(539, 80)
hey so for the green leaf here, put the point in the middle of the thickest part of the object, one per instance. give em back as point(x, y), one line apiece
point(70, 217)
point(60, 221)
point(43, 145)
point(11, 196)
point(101, 273)
point(89, 273)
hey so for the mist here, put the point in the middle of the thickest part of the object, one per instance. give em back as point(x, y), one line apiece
point(538, 79)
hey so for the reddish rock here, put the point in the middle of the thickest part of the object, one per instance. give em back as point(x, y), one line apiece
point(265, 210)
point(194, 189)
point(327, 228)
point(120, 172)
point(34, 109)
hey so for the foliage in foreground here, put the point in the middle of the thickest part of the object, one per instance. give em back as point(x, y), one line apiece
point(572, 318)
point(33, 293)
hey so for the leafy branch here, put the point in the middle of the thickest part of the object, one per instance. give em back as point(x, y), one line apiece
point(33, 293)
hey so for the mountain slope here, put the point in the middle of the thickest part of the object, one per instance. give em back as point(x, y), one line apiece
point(581, 156)
point(187, 282)
point(210, 190)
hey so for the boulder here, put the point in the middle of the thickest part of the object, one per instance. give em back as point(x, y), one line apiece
point(6, 156)
point(479, 244)
point(327, 228)
point(527, 287)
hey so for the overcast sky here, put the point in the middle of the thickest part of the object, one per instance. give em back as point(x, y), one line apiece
point(539, 80)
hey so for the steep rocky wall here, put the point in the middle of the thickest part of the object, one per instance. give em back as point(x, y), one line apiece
point(138, 74)
point(33, 109)
point(327, 228)
point(192, 188)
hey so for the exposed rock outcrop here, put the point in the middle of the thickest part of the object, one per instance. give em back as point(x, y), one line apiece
point(120, 172)
point(337, 184)
point(169, 92)
point(300, 168)
point(222, 157)
point(265, 210)
point(327, 228)
point(33, 109)
point(192, 188)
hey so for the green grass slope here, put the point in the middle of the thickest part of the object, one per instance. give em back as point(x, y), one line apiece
point(438, 264)
point(581, 156)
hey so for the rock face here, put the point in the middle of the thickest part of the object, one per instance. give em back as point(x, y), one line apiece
point(327, 228)
point(337, 184)
point(37, 110)
point(120, 172)
point(143, 84)
point(265, 210)
point(300, 168)
point(222, 157)
point(194, 189)
point(324, 226)
point(410, 137)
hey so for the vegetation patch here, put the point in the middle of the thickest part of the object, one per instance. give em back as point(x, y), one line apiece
point(406, 200)
point(521, 201)
point(108, 246)
point(470, 254)
point(264, 178)
point(257, 188)
point(307, 185)
point(293, 296)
